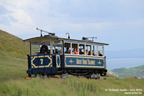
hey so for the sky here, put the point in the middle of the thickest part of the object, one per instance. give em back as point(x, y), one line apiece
point(119, 23)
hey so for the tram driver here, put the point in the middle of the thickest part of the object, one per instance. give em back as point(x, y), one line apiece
point(43, 49)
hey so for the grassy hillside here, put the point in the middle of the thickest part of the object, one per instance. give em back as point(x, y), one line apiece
point(13, 66)
point(11, 45)
point(135, 71)
point(13, 83)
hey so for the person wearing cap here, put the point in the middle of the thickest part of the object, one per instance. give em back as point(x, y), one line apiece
point(44, 48)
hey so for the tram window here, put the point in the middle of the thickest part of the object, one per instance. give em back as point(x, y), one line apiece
point(93, 47)
point(81, 49)
point(58, 49)
point(100, 51)
point(75, 49)
point(88, 49)
point(67, 48)
point(48, 49)
point(95, 50)
point(35, 48)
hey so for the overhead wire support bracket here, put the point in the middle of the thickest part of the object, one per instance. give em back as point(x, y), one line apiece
point(86, 38)
point(52, 34)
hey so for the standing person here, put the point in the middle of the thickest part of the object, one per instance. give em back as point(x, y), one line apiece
point(44, 48)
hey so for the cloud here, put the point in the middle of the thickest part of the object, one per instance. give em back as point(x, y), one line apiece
point(18, 20)
point(21, 16)
point(16, 9)
point(111, 21)
point(79, 27)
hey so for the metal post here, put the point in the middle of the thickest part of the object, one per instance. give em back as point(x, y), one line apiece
point(94, 49)
point(91, 50)
point(103, 51)
point(78, 48)
point(51, 50)
point(85, 49)
point(97, 51)
point(30, 49)
point(71, 47)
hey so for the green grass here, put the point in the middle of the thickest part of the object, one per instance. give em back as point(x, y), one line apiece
point(12, 45)
point(13, 68)
point(13, 83)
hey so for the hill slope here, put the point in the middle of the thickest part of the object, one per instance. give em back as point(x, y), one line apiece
point(12, 45)
point(13, 66)
point(13, 56)
point(134, 71)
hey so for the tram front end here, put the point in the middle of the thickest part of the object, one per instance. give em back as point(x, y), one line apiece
point(43, 64)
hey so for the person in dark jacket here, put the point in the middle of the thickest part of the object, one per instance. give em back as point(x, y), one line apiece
point(44, 48)
point(68, 50)
point(80, 52)
point(56, 51)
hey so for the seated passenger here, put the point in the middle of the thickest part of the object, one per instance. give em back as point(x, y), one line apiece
point(60, 52)
point(68, 50)
point(93, 52)
point(99, 53)
point(86, 52)
point(75, 51)
point(89, 53)
point(80, 52)
point(43, 49)
point(56, 51)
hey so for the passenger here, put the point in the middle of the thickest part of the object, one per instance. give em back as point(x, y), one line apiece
point(60, 52)
point(99, 53)
point(93, 52)
point(89, 53)
point(86, 52)
point(80, 52)
point(43, 49)
point(68, 50)
point(56, 51)
point(75, 51)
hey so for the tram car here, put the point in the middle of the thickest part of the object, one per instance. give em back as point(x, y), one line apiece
point(88, 58)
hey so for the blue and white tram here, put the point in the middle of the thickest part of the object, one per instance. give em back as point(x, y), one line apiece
point(87, 65)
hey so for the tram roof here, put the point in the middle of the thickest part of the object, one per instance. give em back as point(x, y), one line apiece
point(40, 39)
